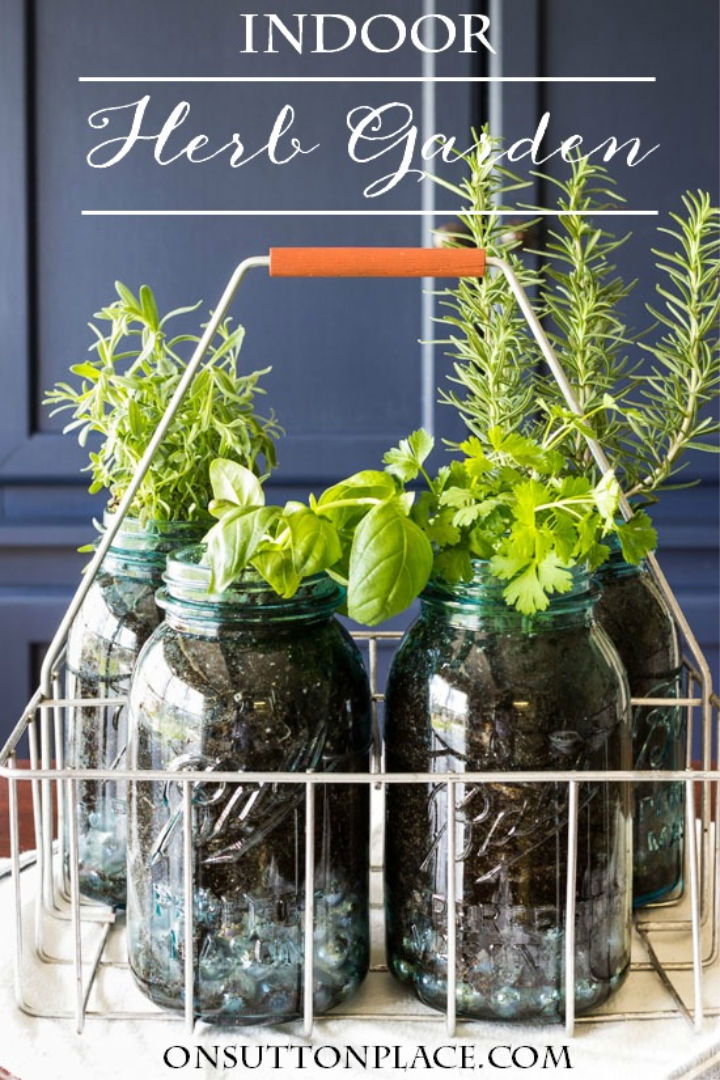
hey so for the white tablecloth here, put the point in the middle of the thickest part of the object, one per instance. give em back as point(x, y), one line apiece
point(35, 1049)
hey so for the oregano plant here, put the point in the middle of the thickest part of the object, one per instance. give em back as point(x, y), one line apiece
point(123, 389)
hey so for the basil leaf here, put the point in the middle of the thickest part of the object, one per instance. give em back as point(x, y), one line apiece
point(277, 569)
point(315, 543)
point(368, 484)
point(234, 483)
point(220, 507)
point(233, 541)
point(390, 563)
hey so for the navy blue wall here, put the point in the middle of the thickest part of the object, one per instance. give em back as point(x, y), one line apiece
point(348, 378)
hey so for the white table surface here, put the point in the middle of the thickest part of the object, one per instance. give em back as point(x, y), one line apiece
point(41, 1049)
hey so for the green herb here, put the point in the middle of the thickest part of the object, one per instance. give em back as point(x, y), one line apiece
point(580, 299)
point(671, 417)
point(516, 505)
point(510, 502)
point(645, 421)
point(359, 531)
point(124, 389)
point(492, 350)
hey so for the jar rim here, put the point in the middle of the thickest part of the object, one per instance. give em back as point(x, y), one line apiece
point(187, 581)
point(485, 591)
point(138, 544)
point(133, 526)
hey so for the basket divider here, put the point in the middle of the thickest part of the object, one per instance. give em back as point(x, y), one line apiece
point(451, 905)
point(571, 887)
point(309, 959)
point(189, 965)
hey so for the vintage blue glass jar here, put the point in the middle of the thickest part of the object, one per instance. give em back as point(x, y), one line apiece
point(477, 686)
point(236, 681)
point(115, 620)
point(635, 614)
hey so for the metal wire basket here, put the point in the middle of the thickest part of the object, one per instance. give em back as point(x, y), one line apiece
point(53, 906)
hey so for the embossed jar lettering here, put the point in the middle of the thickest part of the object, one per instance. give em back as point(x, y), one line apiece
point(474, 687)
point(241, 681)
point(115, 620)
point(635, 614)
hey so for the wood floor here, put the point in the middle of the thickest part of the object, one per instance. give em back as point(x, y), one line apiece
point(27, 832)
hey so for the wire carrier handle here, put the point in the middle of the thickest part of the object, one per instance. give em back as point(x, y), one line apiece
point(347, 262)
point(376, 262)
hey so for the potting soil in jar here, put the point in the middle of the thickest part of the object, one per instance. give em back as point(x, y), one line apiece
point(636, 615)
point(245, 680)
point(114, 622)
point(475, 686)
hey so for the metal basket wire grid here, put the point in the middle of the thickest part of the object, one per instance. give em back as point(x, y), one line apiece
point(54, 789)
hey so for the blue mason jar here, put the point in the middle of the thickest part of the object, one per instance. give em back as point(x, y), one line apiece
point(477, 686)
point(247, 680)
point(636, 615)
point(115, 620)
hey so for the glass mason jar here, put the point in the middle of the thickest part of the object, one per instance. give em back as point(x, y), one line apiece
point(636, 615)
point(115, 620)
point(246, 680)
point(477, 686)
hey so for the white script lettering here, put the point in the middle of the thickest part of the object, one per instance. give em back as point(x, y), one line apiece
point(280, 148)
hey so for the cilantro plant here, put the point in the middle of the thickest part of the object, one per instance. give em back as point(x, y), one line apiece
point(124, 389)
point(512, 504)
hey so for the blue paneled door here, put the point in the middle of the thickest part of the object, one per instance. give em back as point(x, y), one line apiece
point(349, 375)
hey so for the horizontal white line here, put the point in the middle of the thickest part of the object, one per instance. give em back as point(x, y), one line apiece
point(367, 79)
point(366, 213)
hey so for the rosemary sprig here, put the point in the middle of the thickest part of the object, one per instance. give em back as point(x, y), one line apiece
point(646, 421)
point(488, 340)
point(581, 297)
point(671, 416)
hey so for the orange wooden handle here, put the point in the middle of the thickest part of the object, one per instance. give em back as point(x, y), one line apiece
point(376, 262)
